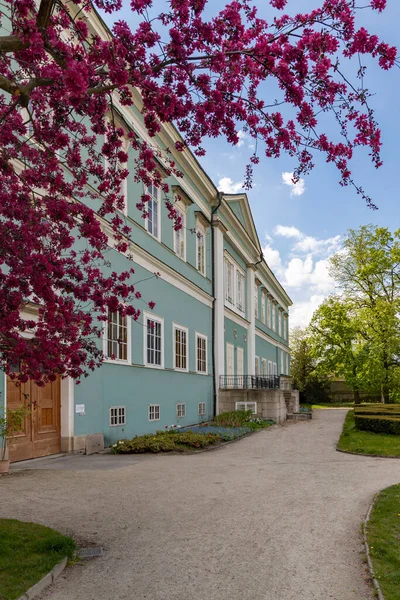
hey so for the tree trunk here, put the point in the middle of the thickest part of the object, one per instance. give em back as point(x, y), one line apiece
point(356, 395)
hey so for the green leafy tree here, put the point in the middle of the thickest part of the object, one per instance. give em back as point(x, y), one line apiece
point(336, 343)
point(367, 272)
point(305, 378)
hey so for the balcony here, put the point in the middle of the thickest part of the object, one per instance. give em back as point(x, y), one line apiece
point(249, 382)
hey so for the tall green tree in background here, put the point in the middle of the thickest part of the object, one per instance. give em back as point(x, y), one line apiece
point(303, 368)
point(357, 333)
point(336, 343)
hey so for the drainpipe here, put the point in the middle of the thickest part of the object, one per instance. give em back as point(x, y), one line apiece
point(215, 382)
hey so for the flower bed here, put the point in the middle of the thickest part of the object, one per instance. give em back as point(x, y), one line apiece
point(225, 427)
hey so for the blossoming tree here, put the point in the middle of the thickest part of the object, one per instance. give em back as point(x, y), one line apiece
point(211, 78)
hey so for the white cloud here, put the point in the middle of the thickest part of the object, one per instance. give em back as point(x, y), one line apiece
point(272, 257)
point(310, 244)
point(300, 274)
point(301, 312)
point(297, 189)
point(288, 231)
point(241, 136)
point(227, 186)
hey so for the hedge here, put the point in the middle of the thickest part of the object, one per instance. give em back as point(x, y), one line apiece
point(378, 424)
point(389, 410)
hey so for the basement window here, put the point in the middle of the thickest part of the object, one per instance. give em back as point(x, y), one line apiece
point(202, 408)
point(117, 416)
point(247, 406)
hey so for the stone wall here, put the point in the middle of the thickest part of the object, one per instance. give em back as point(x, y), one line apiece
point(270, 403)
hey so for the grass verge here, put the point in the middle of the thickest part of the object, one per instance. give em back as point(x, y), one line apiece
point(27, 553)
point(330, 405)
point(366, 442)
point(383, 537)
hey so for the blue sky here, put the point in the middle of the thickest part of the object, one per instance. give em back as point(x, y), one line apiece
point(300, 228)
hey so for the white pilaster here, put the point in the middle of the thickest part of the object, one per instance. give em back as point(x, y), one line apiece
point(251, 330)
point(219, 334)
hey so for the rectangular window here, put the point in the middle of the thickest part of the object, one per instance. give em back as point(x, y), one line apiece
point(181, 410)
point(117, 336)
point(240, 291)
point(153, 210)
point(270, 368)
point(269, 312)
point(201, 350)
point(287, 364)
point(264, 367)
point(117, 416)
point(154, 342)
point(181, 348)
point(256, 301)
point(273, 316)
point(282, 362)
point(154, 412)
point(180, 236)
point(263, 300)
point(257, 366)
point(286, 327)
point(280, 322)
point(229, 269)
point(202, 408)
point(275, 369)
point(247, 406)
point(201, 251)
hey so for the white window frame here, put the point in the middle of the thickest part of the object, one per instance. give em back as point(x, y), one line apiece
point(257, 366)
point(120, 361)
point(286, 328)
point(270, 368)
point(264, 367)
point(201, 233)
point(149, 316)
point(147, 192)
point(153, 409)
point(263, 298)
point(176, 327)
point(229, 283)
point(246, 406)
point(269, 311)
point(287, 364)
point(280, 317)
point(240, 299)
point(180, 234)
point(275, 369)
point(273, 315)
point(256, 301)
point(181, 410)
point(202, 409)
point(282, 363)
point(120, 415)
point(202, 337)
point(232, 301)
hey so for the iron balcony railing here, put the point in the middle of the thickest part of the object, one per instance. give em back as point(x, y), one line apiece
point(249, 382)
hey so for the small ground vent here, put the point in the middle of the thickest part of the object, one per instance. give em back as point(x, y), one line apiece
point(86, 553)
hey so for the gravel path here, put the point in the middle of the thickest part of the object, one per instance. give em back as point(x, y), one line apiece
point(274, 516)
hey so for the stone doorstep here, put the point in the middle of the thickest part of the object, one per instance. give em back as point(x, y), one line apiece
point(45, 582)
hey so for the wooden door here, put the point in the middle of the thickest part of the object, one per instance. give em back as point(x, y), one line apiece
point(41, 431)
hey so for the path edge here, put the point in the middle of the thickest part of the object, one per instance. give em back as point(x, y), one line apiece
point(45, 582)
point(369, 455)
point(375, 582)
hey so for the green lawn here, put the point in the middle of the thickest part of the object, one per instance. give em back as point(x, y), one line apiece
point(383, 536)
point(27, 553)
point(366, 442)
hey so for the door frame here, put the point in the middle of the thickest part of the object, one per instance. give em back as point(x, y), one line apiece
point(67, 388)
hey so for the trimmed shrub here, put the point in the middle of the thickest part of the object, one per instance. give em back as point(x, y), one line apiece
point(240, 418)
point(392, 410)
point(378, 424)
point(165, 441)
